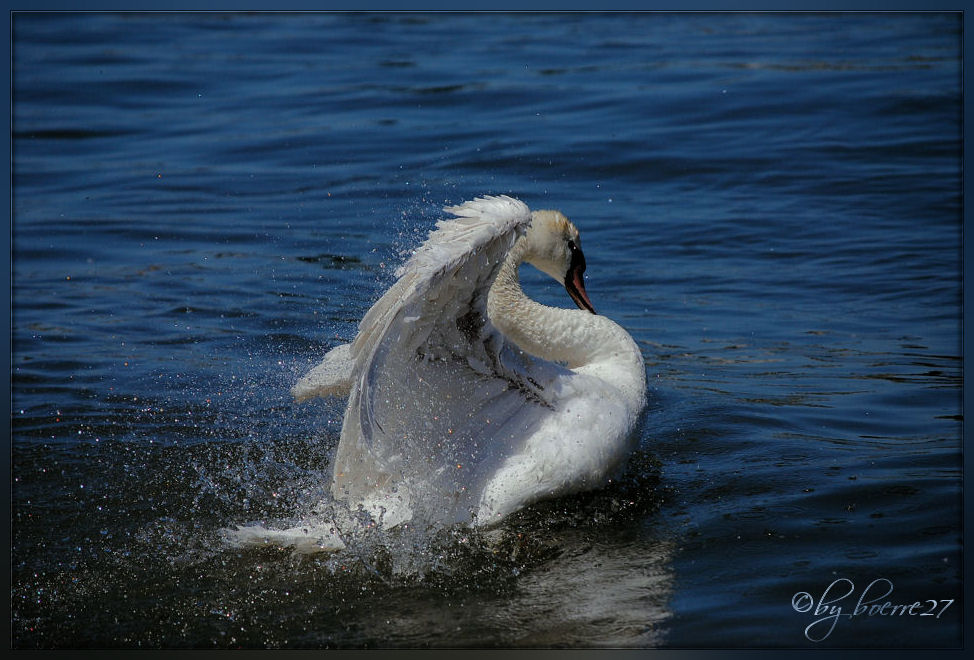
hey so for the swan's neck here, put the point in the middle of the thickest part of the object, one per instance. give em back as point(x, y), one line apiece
point(574, 337)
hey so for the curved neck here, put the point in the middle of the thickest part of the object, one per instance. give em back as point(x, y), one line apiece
point(571, 336)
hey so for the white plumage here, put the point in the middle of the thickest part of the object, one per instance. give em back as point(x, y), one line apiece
point(467, 400)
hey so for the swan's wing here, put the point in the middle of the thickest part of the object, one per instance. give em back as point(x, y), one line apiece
point(454, 266)
point(475, 241)
point(438, 397)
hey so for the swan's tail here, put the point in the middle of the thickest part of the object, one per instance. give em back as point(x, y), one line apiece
point(332, 377)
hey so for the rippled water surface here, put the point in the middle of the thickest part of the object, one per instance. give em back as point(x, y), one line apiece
point(771, 204)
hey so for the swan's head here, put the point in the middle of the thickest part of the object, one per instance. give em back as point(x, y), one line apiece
point(553, 247)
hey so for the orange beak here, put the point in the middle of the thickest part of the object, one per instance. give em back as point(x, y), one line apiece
point(574, 282)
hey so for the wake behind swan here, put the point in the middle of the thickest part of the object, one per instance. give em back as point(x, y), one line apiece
point(467, 400)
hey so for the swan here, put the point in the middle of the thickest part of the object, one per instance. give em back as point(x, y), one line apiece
point(467, 400)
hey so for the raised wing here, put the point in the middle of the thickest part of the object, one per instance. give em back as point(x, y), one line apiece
point(438, 397)
point(456, 264)
point(475, 241)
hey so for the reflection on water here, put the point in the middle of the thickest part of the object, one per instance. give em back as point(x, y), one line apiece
point(559, 574)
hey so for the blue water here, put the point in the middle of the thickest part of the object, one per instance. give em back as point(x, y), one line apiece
point(203, 204)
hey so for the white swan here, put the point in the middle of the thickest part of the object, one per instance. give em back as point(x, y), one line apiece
point(467, 399)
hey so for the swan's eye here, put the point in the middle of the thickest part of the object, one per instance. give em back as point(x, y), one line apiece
point(576, 258)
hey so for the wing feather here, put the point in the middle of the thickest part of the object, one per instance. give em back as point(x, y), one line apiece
point(431, 372)
point(484, 229)
point(473, 243)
